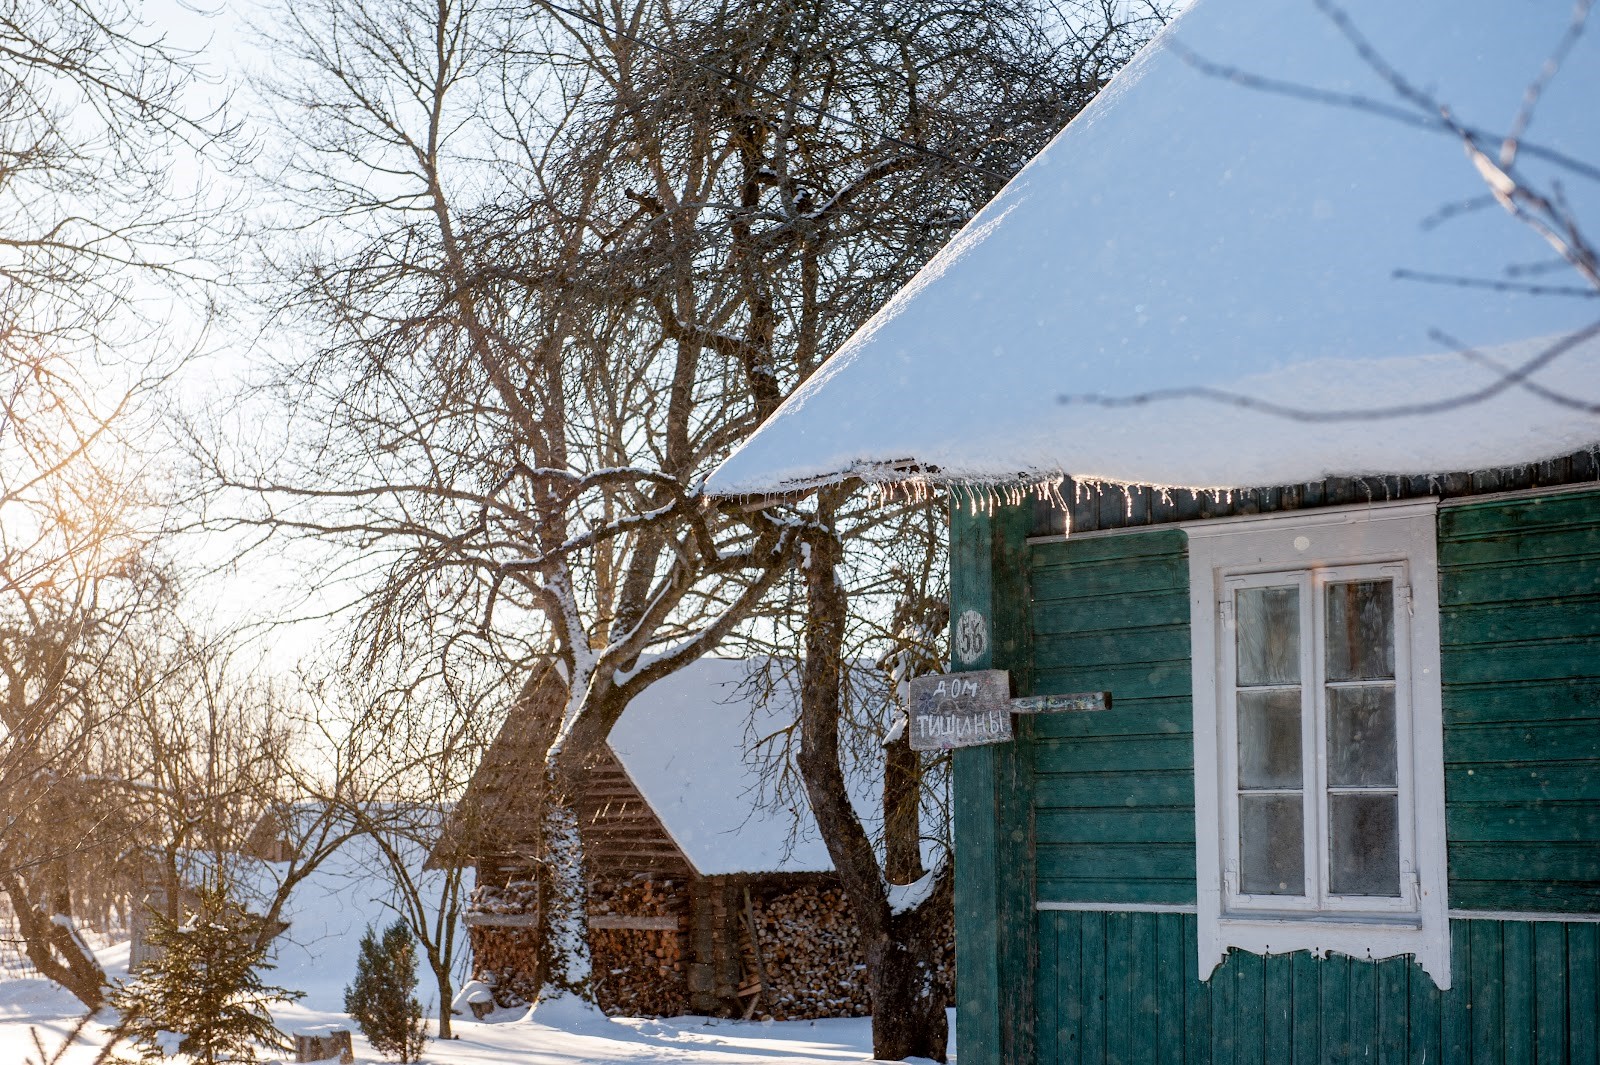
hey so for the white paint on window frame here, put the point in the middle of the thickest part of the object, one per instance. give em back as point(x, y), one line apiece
point(1403, 533)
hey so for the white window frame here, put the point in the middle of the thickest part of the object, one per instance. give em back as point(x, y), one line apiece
point(1398, 540)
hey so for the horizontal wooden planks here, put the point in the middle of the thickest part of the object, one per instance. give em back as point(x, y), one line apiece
point(1123, 987)
point(1520, 643)
point(1114, 790)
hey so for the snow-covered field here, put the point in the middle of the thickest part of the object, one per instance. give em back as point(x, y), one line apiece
point(550, 1037)
point(328, 913)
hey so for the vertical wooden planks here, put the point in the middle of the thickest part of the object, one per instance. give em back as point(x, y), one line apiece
point(1307, 1015)
point(1583, 993)
point(1363, 998)
point(1094, 988)
point(1250, 1010)
point(1143, 1000)
point(976, 831)
point(1048, 1009)
point(1069, 945)
point(1422, 1010)
point(1456, 1020)
point(1335, 1007)
point(1516, 991)
point(1278, 1007)
point(1197, 1014)
point(1485, 990)
point(1393, 1012)
point(995, 923)
point(1550, 993)
point(1119, 1005)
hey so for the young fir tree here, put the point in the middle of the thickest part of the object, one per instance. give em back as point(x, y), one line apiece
point(202, 988)
point(382, 998)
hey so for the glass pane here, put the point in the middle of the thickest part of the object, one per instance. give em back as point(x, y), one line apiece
point(1269, 739)
point(1361, 630)
point(1272, 858)
point(1364, 848)
point(1269, 635)
point(1361, 737)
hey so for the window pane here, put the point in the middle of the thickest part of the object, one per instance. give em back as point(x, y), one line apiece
point(1361, 737)
point(1364, 851)
point(1269, 635)
point(1269, 739)
point(1272, 859)
point(1361, 630)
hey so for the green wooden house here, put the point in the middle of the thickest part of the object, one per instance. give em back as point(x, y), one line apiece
point(1254, 417)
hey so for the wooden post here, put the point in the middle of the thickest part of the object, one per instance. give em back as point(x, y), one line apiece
point(993, 790)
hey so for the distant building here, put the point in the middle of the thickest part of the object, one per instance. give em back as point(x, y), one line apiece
point(703, 899)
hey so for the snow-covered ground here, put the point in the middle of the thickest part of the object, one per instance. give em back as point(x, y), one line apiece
point(556, 1036)
point(329, 912)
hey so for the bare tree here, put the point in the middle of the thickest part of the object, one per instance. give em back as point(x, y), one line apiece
point(91, 116)
point(565, 260)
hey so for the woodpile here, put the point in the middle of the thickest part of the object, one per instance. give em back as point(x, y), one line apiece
point(516, 897)
point(812, 961)
point(507, 959)
point(636, 940)
point(812, 964)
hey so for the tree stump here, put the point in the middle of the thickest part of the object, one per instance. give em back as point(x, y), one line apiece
point(322, 1044)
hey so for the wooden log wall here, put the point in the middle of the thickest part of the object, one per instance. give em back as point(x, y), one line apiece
point(507, 959)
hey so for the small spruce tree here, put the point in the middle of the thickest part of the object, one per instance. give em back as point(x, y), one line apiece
point(202, 988)
point(382, 998)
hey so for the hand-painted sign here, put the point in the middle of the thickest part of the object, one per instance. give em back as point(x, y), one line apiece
point(968, 709)
point(960, 709)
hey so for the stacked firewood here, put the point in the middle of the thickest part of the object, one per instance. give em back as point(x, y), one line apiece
point(507, 959)
point(639, 971)
point(517, 897)
point(812, 961)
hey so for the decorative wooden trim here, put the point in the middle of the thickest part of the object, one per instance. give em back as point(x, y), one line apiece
point(1117, 907)
point(648, 924)
point(501, 920)
point(1524, 915)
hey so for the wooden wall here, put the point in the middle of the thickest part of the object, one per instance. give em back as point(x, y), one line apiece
point(1114, 791)
point(1520, 629)
point(1122, 988)
point(1098, 808)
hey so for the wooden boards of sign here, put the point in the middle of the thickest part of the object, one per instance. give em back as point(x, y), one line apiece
point(970, 709)
point(960, 709)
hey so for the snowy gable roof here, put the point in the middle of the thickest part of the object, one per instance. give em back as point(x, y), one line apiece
point(1192, 251)
point(685, 745)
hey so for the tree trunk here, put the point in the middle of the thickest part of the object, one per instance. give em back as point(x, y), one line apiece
point(441, 977)
point(902, 950)
point(908, 999)
point(563, 905)
point(53, 945)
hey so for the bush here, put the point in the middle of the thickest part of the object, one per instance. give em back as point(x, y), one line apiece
point(382, 997)
point(202, 988)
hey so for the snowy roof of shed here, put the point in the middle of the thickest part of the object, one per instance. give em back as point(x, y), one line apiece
point(1192, 250)
point(685, 742)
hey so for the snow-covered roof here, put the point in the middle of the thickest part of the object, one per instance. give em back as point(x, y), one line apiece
point(1207, 240)
point(685, 744)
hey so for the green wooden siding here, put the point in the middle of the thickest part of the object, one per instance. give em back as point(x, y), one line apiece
point(1114, 791)
point(1520, 636)
point(1121, 987)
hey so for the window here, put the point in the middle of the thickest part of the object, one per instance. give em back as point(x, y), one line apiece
point(1318, 748)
